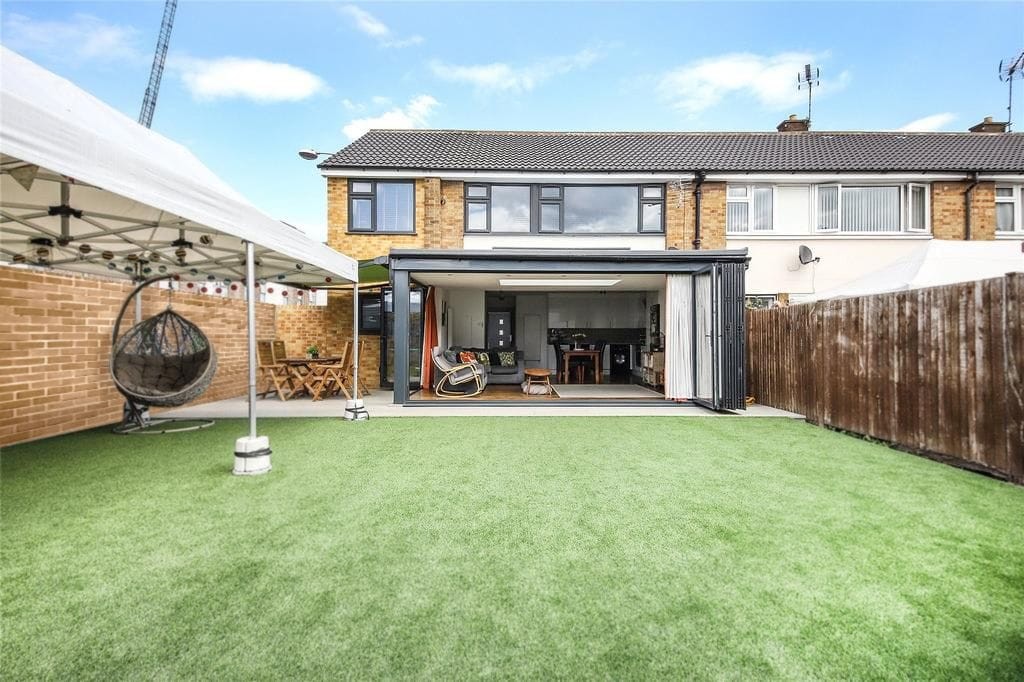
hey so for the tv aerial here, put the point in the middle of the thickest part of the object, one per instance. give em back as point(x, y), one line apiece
point(810, 78)
point(1010, 70)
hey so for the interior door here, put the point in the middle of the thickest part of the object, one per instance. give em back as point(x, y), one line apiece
point(706, 339)
point(499, 329)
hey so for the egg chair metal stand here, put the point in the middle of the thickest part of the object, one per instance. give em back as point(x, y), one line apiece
point(162, 361)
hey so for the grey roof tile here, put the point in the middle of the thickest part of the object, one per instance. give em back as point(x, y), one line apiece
point(682, 152)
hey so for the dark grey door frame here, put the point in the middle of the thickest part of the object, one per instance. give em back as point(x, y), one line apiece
point(400, 302)
point(727, 291)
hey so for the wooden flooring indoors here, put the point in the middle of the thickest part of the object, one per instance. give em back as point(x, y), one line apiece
point(511, 392)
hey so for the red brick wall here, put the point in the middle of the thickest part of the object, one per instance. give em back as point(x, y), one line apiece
point(55, 348)
point(329, 327)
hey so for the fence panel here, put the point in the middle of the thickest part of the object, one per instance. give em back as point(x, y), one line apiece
point(935, 370)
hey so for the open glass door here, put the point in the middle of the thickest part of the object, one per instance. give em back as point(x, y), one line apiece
point(387, 338)
point(719, 324)
point(706, 339)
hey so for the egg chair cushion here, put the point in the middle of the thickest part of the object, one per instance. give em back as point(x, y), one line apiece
point(164, 361)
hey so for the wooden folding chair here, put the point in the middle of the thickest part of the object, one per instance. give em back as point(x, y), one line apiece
point(336, 372)
point(279, 351)
point(319, 380)
point(276, 375)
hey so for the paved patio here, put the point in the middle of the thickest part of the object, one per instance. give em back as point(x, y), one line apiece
point(379, 405)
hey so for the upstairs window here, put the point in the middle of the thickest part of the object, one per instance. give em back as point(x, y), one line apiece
point(1008, 209)
point(748, 208)
point(565, 209)
point(872, 209)
point(792, 209)
point(380, 206)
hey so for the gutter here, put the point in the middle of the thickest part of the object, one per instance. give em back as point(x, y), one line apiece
point(698, 193)
point(968, 198)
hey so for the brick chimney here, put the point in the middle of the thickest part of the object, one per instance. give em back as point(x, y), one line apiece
point(794, 125)
point(989, 126)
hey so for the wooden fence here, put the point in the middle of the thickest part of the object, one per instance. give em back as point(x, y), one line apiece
point(938, 371)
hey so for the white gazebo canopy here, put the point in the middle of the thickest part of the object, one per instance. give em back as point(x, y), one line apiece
point(935, 263)
point(85, 188)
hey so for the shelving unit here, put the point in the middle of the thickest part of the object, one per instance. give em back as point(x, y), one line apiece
point(652, 368)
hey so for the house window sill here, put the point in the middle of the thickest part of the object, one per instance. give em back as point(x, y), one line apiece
point(364, 233)
point(1010, 236)
point(825, 237)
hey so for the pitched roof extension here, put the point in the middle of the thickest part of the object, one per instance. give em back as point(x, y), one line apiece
point(479, 150)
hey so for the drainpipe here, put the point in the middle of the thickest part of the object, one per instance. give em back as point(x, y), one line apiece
point(968, 197)
point(697, 194)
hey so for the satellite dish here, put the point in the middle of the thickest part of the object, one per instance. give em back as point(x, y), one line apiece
point(807, 256)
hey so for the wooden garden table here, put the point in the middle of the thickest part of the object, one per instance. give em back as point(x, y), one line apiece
point(308, 372)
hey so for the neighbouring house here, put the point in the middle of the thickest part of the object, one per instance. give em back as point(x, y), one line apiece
point(634, 245)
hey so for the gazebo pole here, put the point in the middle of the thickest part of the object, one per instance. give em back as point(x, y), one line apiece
point(354, 409)
point(252, 453)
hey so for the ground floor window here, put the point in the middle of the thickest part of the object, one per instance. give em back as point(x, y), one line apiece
point(761, 302)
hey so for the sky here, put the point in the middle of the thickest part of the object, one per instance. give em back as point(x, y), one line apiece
point(249, 84)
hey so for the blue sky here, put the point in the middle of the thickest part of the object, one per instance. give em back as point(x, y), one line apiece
point(248, 84)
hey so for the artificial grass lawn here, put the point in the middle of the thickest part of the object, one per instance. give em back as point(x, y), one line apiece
point(507, 547)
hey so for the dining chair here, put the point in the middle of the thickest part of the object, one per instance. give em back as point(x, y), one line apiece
point(276, 376)
point(280, 352)
point(338, 374)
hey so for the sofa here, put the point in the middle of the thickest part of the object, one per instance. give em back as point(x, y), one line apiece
point(496, 372)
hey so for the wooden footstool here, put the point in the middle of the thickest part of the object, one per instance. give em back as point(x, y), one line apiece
point(540, 377)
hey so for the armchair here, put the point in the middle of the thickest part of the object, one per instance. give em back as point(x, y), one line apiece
point(462, 380)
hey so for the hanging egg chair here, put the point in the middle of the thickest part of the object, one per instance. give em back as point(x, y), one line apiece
point(163, 361)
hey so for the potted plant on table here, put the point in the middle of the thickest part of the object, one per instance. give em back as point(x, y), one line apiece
point(313, 352)
point(576, 339)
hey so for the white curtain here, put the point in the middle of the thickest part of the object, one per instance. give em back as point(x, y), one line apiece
point(705, 333)
point(678, 337)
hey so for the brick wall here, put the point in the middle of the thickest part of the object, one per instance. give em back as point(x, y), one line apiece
point(452, 214)
point(438, 216)
point(329, 327)
point(679, 219)
point(948, 210)
point(55, 348)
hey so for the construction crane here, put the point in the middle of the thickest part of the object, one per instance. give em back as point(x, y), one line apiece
point(159, 57)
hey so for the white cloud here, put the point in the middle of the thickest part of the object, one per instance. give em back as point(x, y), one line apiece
point(928, 123)
point(413, 115)
point(499, 76)
point(770, 79)
point(254, 79)
point(83, 37)
point(377, 29)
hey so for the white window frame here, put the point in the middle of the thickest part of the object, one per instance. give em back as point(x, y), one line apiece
point(1017, 195)
point(815, 223)
point(904, 206)
point(909, 191)
point(749, 201)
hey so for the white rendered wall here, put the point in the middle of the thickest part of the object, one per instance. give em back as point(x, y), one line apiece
point(775, 266)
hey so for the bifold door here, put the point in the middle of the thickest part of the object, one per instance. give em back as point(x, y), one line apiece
point(719, 343)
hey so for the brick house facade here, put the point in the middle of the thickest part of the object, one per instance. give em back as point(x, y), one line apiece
point(922, 177)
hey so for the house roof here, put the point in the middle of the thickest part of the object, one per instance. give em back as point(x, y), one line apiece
point(681, 152)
